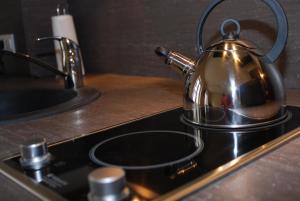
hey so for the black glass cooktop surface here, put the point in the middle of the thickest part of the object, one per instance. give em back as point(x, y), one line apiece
point(159, 154)
point(146, 150)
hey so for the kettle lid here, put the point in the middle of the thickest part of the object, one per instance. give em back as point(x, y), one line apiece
point(231, 40)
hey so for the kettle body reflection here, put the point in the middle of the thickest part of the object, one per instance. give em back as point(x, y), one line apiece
point(232, 84)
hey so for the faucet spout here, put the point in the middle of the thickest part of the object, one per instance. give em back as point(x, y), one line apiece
point(181, 63)
point(71, 60)
point(33, 60)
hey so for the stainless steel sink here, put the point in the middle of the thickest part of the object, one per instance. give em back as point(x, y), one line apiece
point(26, 104)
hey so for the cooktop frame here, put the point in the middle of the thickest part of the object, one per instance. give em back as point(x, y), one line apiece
point(44, 193)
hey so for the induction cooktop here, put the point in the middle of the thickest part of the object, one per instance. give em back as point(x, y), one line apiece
point(156, 158)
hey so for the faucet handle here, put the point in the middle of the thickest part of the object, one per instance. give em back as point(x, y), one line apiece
point(65, 43)
point(58, 38)
point(67, 46)
point(49, 38)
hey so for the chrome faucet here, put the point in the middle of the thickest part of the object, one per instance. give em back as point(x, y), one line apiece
point(71, 60)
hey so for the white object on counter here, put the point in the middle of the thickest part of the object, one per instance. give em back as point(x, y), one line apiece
point(63, 26)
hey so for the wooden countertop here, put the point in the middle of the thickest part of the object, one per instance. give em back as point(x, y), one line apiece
point(276, 176)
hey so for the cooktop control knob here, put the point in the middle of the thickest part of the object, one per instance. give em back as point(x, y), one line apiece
point(107, 183)
point(34, 154)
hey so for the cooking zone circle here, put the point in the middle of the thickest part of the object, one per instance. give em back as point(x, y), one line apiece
point(146, 149)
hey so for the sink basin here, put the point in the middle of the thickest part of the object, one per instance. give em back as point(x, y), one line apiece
point(26, 104)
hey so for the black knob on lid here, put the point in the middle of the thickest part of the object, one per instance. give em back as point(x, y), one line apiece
point(161, 51)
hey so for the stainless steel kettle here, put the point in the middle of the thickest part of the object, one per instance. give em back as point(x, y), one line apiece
point(231, 84)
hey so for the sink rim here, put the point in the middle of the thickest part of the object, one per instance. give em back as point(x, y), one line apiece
point(84, 96)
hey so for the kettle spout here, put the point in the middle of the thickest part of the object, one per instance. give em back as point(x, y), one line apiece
point(181, 63)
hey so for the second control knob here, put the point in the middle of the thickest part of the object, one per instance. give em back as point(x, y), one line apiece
point(107, 183)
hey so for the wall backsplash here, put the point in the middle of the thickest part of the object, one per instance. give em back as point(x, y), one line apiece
point(120, 36)
point(11, 22)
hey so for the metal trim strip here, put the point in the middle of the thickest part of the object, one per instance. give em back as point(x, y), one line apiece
point(36, 189)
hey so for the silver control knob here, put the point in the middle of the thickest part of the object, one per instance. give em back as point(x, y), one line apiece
point(34, 154)
point(107, 184)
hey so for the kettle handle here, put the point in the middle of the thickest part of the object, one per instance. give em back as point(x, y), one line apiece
point(282, 29)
